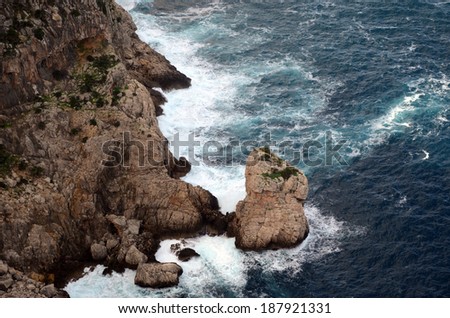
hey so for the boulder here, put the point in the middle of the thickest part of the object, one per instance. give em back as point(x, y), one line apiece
point(99, 252)
point(3, 269)
point(5, 283)
point(158, 275)
point(271, 216)
point(135, 257)
point(49, 291)
point(186, 254)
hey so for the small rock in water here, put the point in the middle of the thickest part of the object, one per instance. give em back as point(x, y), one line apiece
point(186, 254)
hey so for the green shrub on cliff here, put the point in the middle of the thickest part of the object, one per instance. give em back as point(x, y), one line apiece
point(285, 173)
point(7, 161)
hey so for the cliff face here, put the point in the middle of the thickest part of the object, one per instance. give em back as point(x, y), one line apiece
point(80, 146)
point(271, 215)
point(41, 40)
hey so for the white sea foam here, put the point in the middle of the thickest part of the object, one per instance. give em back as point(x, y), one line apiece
point(396, 115)
point(221, 270)
point(207, 109)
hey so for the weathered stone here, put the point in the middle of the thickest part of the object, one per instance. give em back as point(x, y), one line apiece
point(157, 275)
point(135, 257)
point(5, 283)
point(111, 243)
point(271, 215)
point(134, 226)
point(99, 252)
point(3, 269)
point(73, 180)
point(49, 291)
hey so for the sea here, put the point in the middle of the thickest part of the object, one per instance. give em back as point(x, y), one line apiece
point(354, 93)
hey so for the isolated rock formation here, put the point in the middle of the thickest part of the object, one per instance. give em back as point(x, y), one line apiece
point(158, 275)
point(271, 216)
point(84, 167)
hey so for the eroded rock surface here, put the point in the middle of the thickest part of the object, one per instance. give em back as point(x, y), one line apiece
point(158, 275)
point(84, 166)
point(271, 215)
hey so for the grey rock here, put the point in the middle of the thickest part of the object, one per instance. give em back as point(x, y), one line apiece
point(6, 283)
point(3, 269)
point(134, 226)
point(49, 291)
point(135, 257)
point(111, 243)
point(158, 275)
point(99, 252)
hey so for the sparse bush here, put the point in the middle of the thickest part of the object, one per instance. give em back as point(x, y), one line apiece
point(23, 165)
point(59, 75)
point(100, 102)
point(75, 102)
point(5, 124)
point(93, 122)
point(116, 96)
point(104, 62)
point(7, 161)
point(285, 173)
point(36, 171)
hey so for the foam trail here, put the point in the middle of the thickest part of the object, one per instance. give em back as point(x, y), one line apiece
point(221, 270)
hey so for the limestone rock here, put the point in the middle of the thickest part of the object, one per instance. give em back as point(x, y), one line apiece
point(271, 215)
point(157, 275)
point(99, 252)
point(135, 257)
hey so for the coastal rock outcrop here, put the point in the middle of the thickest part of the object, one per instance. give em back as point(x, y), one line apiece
point(82, 159)
point(158, 275)
point(14, 283)
point(271, 216)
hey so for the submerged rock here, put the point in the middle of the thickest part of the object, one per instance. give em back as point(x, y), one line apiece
point(158, 275)
point(271, 216)
point(187, 254)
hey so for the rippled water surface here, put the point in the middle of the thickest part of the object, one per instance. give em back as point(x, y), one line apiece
point(375, 75)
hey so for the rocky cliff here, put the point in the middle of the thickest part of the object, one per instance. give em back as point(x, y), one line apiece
point(271, 215)
point(84, 169)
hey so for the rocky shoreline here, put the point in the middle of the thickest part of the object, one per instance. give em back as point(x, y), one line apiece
point(85, 172)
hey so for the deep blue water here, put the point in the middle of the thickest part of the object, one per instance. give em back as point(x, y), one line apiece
point(374, 74)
